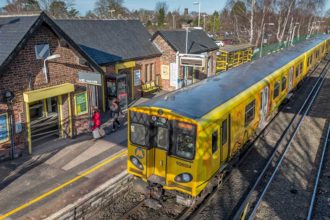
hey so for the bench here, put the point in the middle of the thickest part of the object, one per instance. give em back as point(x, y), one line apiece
point(149, 87)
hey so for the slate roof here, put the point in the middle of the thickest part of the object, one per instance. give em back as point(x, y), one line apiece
point(198, 41)
point(12, 32)
point(15, 31)
point(110, 41)
point(198, 99)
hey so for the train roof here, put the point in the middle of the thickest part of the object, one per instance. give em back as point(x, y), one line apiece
point(196, 100)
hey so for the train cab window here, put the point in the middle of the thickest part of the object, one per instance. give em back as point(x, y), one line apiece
point(250, 112)
point(224, 135)
point(214, 141)
point(162, 138)
point(276, 90)
point(283, 83)
point(138, 134)
point(184, 140)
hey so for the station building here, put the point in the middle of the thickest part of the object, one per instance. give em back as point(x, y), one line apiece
point(39, 67)
point(122, 48)
point(199, 64)
point(57, 70)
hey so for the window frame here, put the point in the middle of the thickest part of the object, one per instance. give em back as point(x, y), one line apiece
point(248, 122)
point(130, 135)
point(277, 87)
point(215, 137)
point(224, 122)
point(75, 104)
point(36, 51)
point(283, 85)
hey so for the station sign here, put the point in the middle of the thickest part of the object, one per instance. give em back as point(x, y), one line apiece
point(192, 60)
point(91, 78)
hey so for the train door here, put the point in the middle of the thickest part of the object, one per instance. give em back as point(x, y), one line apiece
point(162, 145)
point(291, 78)
point(225, 139)
point(263, 106)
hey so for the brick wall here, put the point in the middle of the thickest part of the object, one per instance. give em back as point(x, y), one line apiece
point(168, 57)
point(24, 73)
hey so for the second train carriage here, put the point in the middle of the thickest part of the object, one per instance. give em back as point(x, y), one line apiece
point(179, 142)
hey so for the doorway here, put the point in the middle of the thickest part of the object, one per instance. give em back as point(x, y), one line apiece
point(44, 119)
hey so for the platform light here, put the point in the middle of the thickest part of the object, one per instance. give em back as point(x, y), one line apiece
point(52, 57)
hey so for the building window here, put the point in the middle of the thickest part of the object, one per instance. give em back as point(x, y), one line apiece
point(4, 128)
point(146, 70)
point(276, 90)
point(42, 51)
point(214, 141)
point(224, 132)
point(250, 112)
point(81, 103)
point(283, 83)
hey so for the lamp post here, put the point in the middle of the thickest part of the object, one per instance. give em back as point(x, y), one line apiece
point(263, 33)
point(199, 12)
point(204, 15)
point(8, 97)
point(45, 70)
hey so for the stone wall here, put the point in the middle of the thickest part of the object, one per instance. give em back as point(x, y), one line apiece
point(85, 207)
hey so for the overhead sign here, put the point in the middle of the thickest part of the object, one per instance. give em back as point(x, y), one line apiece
point(192, 60)
point(90, 78)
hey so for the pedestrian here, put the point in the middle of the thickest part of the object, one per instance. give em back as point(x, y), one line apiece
point(115, 108)
point(96, 118)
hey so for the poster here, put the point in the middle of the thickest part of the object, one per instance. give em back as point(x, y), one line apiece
point(81, 103)
point(174, 75)
point(137, 77)
point(165, 72)
point(4, 129)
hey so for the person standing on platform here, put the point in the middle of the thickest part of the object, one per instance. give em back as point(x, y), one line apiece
point(96, 118)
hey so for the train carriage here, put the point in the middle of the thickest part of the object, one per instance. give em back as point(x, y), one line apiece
point(180, 141)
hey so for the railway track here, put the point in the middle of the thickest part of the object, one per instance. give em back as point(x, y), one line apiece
point(318, 175)
point(221, 204)
point(139, 210)
point(252, 202)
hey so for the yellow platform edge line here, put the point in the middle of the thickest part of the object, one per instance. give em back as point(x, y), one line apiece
point(93, 169)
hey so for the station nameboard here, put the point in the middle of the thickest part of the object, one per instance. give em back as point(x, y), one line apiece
point(90, 78)
point(193, 61)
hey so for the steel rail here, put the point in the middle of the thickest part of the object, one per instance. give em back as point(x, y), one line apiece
point(288, 145)
point(245, 202)
point(311, 205)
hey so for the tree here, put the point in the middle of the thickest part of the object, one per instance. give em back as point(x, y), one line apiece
point(161, 9)
point(108, 8)
point(18, 6)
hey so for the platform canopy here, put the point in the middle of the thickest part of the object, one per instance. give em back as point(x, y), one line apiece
point(40, 94)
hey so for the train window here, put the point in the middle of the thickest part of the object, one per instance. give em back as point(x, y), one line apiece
point(138, 134)
point(276, 90)
point(162, 138)
point(250, 112)
point(283, 83)
point(214, 141)
point(300, 68)
point(224, 132)
point(184, 140)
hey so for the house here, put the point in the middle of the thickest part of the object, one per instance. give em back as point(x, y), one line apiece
point(122, 48)
point(187, 57)
point(40, 66)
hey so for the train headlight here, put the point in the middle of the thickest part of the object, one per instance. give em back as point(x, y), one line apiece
point(136, 162)
point(183, 178)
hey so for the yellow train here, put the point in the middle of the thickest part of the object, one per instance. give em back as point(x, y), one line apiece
point(180, 142)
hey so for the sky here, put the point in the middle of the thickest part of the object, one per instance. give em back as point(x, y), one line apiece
point(208, 6)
